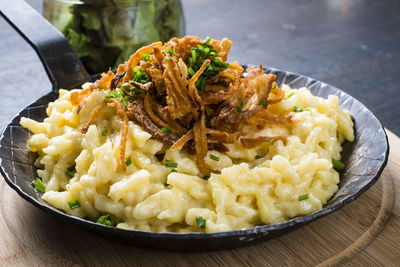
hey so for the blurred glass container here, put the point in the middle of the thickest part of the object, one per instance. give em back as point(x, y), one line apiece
point(104, 33)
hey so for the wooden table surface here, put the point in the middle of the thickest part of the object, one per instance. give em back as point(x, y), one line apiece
point(363, 233)
point(353, 45)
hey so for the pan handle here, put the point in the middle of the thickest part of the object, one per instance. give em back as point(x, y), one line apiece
point(62, 65)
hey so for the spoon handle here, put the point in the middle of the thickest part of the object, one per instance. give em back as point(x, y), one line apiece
point(62, 65)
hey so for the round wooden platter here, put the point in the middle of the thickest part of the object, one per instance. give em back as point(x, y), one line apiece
point(365, 232)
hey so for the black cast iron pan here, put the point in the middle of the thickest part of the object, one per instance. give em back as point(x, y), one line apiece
point(365, 158)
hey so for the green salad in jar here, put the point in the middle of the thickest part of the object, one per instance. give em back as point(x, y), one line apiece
point(106, 32)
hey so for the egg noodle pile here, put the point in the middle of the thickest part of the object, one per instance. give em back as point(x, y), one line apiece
point(179, 140)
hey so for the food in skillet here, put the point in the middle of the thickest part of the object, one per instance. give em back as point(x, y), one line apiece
point(179, 140)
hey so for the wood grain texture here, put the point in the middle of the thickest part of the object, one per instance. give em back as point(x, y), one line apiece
point(365, 232)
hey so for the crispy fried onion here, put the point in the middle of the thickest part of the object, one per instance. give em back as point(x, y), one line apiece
point(158, 55)
point(137, 112)
point(256, 88)
point(218, 147)
point(263, 117)
point(253, 142)
point(215, 135)
point(172, 124)
point(200, 144)
point(124, 128)
point(179, 100)
point(116, 79)
point(148, 107)
point(154, 71)
point(222, 137)
point(136, 57)
point(222, 47)
point(176, 112)
point(105, 81)
point(210, 98)
point(144, 87)
point(178, 145)
point(77, 98)
point(93, 114)
point(182, 46)
point(278, 94)
point(192, 87)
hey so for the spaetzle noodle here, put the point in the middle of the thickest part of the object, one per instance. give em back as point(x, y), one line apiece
point(163, 190)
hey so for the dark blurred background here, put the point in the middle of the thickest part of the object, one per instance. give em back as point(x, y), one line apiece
point(353, 45)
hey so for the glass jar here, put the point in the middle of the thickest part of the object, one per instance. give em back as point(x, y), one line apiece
point(104, 33)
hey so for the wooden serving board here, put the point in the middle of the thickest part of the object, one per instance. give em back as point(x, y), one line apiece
point(365, 232)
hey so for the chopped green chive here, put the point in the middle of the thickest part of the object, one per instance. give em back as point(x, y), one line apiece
point(303, 197)
point(166, 129)
point(351, 117)
point(337, 165)
point(297, 109)
point(213, 157)
point(112, 94)
point(70, 174)
point(166, 184)
point(39, 185)
point(290, 95)
point(194, 55)
point(219, 63)
point(138, 75)
point(273, 87)
point(128, 162)
point(126, 86)
point(206, 51)
point(104, 132)
point(207, 41)
point(206, 177)
point(145, 57)
point(198, 55)
point(124, 102)
point(212, 54)
point(258, 157)
point(201, 223)
point(201, 83)
point(100, 87)
point(240, 107)
point(271, 141)
point(191, 71)
point(71, 168)
point(70, 171)
point(122, 93)
point(106, 220)
point(170, 51)
point(264, 103)
point(174, 170)
point(170, 164)
point(74, 204)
